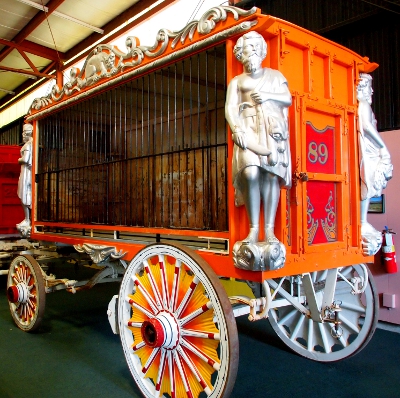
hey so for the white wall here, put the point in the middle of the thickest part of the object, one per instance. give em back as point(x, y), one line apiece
point(389, 283)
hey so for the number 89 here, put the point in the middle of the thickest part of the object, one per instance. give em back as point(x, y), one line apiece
point(317, 153)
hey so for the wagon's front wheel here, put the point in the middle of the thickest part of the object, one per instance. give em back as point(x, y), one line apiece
point(176, 325)
point(357, 304)
point(26, 292)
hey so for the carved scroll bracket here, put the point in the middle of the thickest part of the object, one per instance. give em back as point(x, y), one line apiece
point(99, 253)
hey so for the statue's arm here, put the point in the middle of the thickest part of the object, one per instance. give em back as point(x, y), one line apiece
point(283, 96)
point(26, 155)
point(232, 114)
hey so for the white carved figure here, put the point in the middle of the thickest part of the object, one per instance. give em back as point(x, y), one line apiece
point(375, 163)
point(256, 109)
point(99, 62)
point(25, 179)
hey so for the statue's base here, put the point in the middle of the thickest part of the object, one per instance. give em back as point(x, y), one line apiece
point(371, 243)
point(260, 256)
point(24, 228)
point(371, 239)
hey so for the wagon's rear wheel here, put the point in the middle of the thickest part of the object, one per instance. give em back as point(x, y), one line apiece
point(26, 292)
point(317, 341)
point(176, 325)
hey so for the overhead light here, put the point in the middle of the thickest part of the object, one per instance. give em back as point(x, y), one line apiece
point(61, 15)
point(102, 40)
point(24, 74)
point(35, 5)
point(7, 91)
point(72, 19)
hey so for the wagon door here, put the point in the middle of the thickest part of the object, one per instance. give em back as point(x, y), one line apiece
point(321, 178)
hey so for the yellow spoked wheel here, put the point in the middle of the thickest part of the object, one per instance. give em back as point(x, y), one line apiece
point(26, 293)
point(176, 325)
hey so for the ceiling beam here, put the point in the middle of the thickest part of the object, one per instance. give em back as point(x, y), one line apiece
point(33, 24)
point(35, 49)
point(25, 88)
point(28, 73)
point(347, 22)
point(385, 5)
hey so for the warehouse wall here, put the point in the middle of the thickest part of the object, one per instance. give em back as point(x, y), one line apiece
point(389, 284)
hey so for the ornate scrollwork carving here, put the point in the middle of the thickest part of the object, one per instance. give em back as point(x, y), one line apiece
point(329, 223)
point(312, 224)
point(100, 253)
point(106, 61)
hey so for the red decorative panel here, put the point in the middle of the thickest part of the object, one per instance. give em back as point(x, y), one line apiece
point(321, 195)
point(320, 149)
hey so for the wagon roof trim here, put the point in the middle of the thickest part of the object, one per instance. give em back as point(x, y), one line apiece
point(114, 66)
point(215, 26)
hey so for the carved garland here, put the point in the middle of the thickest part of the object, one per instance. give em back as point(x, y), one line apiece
point(106, 61)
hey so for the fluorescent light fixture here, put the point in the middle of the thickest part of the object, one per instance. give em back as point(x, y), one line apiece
point(23, 74)
point(7, 91)
point(102, 40)
point(61, 15)
point(77, 21)
point(34, 5)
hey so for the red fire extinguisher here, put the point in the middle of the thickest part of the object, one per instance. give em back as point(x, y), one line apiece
point(389, 251)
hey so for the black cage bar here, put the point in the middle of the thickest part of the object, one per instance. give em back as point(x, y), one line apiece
point(149, 153)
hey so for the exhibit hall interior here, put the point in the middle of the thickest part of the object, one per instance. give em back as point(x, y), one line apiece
point(199, 198)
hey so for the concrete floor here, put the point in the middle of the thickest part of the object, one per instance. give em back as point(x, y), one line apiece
point(75, 354)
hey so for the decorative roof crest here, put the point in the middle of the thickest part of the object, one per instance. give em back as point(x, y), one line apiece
point(105, 60)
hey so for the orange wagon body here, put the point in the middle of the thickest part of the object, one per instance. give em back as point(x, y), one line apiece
point(134, 161)
point(318, 219)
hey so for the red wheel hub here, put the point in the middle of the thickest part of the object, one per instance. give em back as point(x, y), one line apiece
point(18, 293)
point(153, 333)
point(12, 294)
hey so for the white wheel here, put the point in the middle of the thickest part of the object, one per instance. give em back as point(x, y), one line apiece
point(176, 324)
point(319, 341)
point(26, 293)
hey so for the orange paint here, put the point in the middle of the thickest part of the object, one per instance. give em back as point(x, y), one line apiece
point(322, 77)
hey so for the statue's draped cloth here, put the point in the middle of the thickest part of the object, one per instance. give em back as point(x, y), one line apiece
point(257, 121)
point(24, 182)
point(375, 171)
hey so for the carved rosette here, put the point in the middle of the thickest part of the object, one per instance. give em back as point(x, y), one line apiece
point(100, 253)
point(106, 61)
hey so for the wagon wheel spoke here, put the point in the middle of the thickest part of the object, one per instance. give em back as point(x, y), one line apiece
point(177, 326)
point(153, 284)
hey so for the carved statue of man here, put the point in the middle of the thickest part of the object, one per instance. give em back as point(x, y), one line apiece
point(256, 109)
point(375, 163)
point(25, 179)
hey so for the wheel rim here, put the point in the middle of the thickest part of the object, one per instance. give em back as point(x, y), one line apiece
point(26, 293)
point(176, 325)
point(316, 340)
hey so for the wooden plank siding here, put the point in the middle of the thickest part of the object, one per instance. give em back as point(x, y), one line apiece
point(150, 153)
